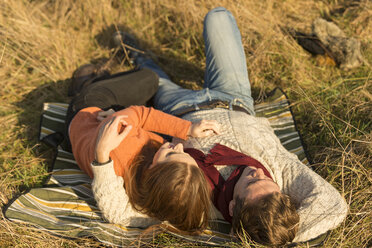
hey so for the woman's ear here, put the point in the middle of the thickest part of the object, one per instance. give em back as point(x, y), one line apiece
point(231, 207)
point(151, 165)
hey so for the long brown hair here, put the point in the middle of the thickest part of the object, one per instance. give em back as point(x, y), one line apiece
point(173, 191)
point(272, 220)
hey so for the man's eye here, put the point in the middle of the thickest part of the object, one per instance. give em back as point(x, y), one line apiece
point(251, 182)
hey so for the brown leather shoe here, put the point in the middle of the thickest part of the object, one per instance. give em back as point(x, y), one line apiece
point(84, 76)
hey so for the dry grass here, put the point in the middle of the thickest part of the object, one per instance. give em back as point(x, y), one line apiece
point(42, 42)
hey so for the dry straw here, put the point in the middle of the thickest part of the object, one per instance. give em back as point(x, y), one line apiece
point(42, 42)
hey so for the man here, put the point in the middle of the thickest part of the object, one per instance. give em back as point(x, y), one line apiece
point(257, 184)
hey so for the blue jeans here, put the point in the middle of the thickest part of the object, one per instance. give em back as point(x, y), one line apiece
point(226, 75)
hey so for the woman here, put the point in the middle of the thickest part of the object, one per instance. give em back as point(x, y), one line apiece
point(160, 179)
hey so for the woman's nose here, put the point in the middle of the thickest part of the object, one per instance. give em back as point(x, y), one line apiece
point(179, 147)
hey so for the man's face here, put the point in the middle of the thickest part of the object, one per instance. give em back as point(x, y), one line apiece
point(252, 185)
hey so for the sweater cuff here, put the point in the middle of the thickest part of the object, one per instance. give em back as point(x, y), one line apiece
point(96, 163)
point(104, 171)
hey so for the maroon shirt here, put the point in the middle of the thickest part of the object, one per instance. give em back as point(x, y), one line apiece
point(222, 191)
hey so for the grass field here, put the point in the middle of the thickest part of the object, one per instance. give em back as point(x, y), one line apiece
point(43, 42)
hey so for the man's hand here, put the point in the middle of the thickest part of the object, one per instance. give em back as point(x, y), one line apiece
point(109, 138)
point(103, 114)
point(204, 128)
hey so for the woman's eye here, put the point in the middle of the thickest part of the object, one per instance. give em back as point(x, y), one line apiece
point(170, 153)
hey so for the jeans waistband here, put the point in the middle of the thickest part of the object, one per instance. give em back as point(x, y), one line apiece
point(209, 105)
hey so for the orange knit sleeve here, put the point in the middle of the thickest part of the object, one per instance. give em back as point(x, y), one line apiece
point(157, 121)
point(83, 133)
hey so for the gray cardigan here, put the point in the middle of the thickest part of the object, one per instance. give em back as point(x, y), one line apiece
point(320, 206)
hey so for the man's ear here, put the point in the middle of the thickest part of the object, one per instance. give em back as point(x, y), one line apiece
point(231, 207)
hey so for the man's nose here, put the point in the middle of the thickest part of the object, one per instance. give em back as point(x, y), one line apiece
point(259, 173)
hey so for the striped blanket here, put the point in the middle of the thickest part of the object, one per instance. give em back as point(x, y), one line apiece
point(65, 206)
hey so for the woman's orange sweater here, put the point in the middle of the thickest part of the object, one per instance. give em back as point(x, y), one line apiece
point(84, 129)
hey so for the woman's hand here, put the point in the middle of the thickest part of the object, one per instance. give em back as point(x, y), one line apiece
point(103, 114)
point(204, 128)
point(109, 138)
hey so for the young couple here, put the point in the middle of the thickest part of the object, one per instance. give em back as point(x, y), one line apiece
point(221, 153)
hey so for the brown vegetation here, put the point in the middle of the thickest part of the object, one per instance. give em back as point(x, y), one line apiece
point(43, 41)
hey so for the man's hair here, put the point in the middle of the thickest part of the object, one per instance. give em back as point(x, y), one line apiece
point(271, 220)
point(172, 191)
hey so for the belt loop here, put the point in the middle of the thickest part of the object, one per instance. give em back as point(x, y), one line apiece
point(208, 94)
point(237, 102)
point(196, 106)
point(231, 104)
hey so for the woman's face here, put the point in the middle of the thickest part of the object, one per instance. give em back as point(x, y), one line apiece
point(172, 153)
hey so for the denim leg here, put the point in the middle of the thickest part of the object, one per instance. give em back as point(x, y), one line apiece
point(170, 96)
point(146, 62)
point(226, 68)
point(226, 75)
